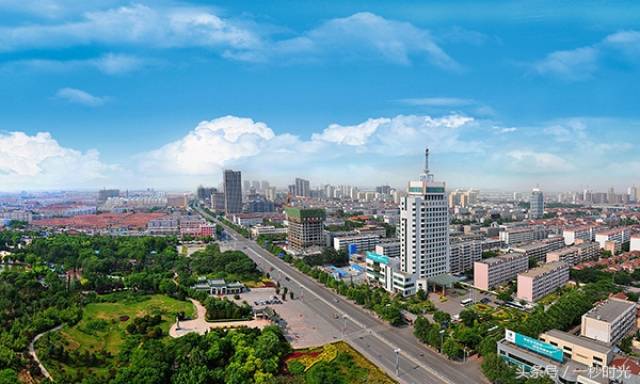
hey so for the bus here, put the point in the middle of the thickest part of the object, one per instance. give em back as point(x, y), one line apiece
point(466, 302)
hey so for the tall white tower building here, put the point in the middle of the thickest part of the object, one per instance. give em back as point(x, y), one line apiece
point(424, 227)
point(536, 204)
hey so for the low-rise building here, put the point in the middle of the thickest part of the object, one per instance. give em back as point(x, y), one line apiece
point(362, 243)
point(218, 286)
point(385, 271)
point(576, 254)
point(583, 350)
point(247, 219)
point(489, 273)
point(538, 249)
point(539, 282)
point(582, 232)
point(635, 243)
point(259, 229)
point(609, 321)
point(388, 248)
point(463, 253)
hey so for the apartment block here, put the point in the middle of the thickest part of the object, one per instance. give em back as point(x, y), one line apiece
point(517, 235)
point(609, 321)
point(362, 242)
point(539, 282)
point(539, 249)
point(583, 232)
point(575, 254)
point(463, 253)
point(495, 271)
point(635, 243)
point(612, 239)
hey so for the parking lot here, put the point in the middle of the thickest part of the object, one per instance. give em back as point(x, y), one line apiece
point(452, 305)
point(303, 327)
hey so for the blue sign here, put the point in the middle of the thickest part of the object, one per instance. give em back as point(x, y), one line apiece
point(352, 249)
point(534, 345)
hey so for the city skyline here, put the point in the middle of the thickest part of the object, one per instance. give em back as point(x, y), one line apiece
point(167, 94)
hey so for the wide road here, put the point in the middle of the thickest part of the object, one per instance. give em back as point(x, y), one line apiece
point(371, 336)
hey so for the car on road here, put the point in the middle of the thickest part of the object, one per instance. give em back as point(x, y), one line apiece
point(287, 278)
point(485, 300)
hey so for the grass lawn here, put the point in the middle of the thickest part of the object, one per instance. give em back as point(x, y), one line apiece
point(101, 328)
point(339, 357)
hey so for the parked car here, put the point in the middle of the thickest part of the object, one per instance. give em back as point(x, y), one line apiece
point(485, 300)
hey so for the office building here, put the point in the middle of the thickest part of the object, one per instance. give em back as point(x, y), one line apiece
point(302, 188)
point(538, 282)
point(385, 272)
point(613, 239)
point(576, 254)
point(383, 190)
point(424, 227)
point(389, 248)
point(463, 253)
point(538, 249)
point(232, 192)
point(490, 273)
point(515, 235)
point(203, 194)
point(362, 243)
point(305, 230)
point(536, 204)
point(260, 229)
point(609, 321)
point(217, 201)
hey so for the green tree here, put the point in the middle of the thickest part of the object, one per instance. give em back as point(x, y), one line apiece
point(452, 348)
point(323, 373)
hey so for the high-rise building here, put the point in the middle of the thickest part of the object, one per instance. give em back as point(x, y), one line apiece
point(424, 227)
point(383, 189)
point(536, 204)
point(632, 192)
point(232, 191)
point(305, 229)
point(204, 193)
point(105, 194)
point(302, 188)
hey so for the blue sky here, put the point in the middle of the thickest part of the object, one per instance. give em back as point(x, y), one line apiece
point(165, 94)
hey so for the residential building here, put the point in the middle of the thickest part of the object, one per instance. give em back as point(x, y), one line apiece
point(361, 242)
point(609, 321)
point(218, 202)
point(613, 239)
point(583, 232)
point(489, 273)
point(177, 201)
point(515, 235)
point(105, 194)
point(424, 227)
point(464, 251)
point(305, 228)
point(247, 219)
point(232, 192)
point(541, 281)
point(576, 254)
point(635, 243)
point(167, 225)
point(388, 248)
point(385, 271)
point(302, 188)
point(536, 204)
point(538, 249)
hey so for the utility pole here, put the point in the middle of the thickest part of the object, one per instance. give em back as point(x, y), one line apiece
point(397, 352)
point(344, 326)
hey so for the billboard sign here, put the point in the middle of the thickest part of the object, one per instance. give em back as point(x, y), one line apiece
point(353, 249)
point(534, 345)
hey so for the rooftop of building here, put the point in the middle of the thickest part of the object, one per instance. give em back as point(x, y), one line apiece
point(303, 213)
point(612, 231)
point(594, 345)
point(502, 258)
point(544, 268)
point(609, 310)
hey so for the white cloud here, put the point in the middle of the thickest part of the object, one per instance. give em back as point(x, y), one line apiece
point(583, 62)
point(576, 64)
point(114, 64)
point(79, 96)
point(528, 161)
point(109, 63)
point(162, 27)
point(210, 146)
point(38, 161)
point(350, 134)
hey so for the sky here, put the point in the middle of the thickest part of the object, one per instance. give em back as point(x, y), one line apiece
point(163, 94)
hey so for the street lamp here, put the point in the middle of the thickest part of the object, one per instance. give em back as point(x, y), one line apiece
point(441, 339)
point(397, 351)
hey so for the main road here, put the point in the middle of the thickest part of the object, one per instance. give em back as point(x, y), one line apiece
point(393, 349)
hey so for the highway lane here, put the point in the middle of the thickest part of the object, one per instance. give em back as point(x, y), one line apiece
point(364, 331)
